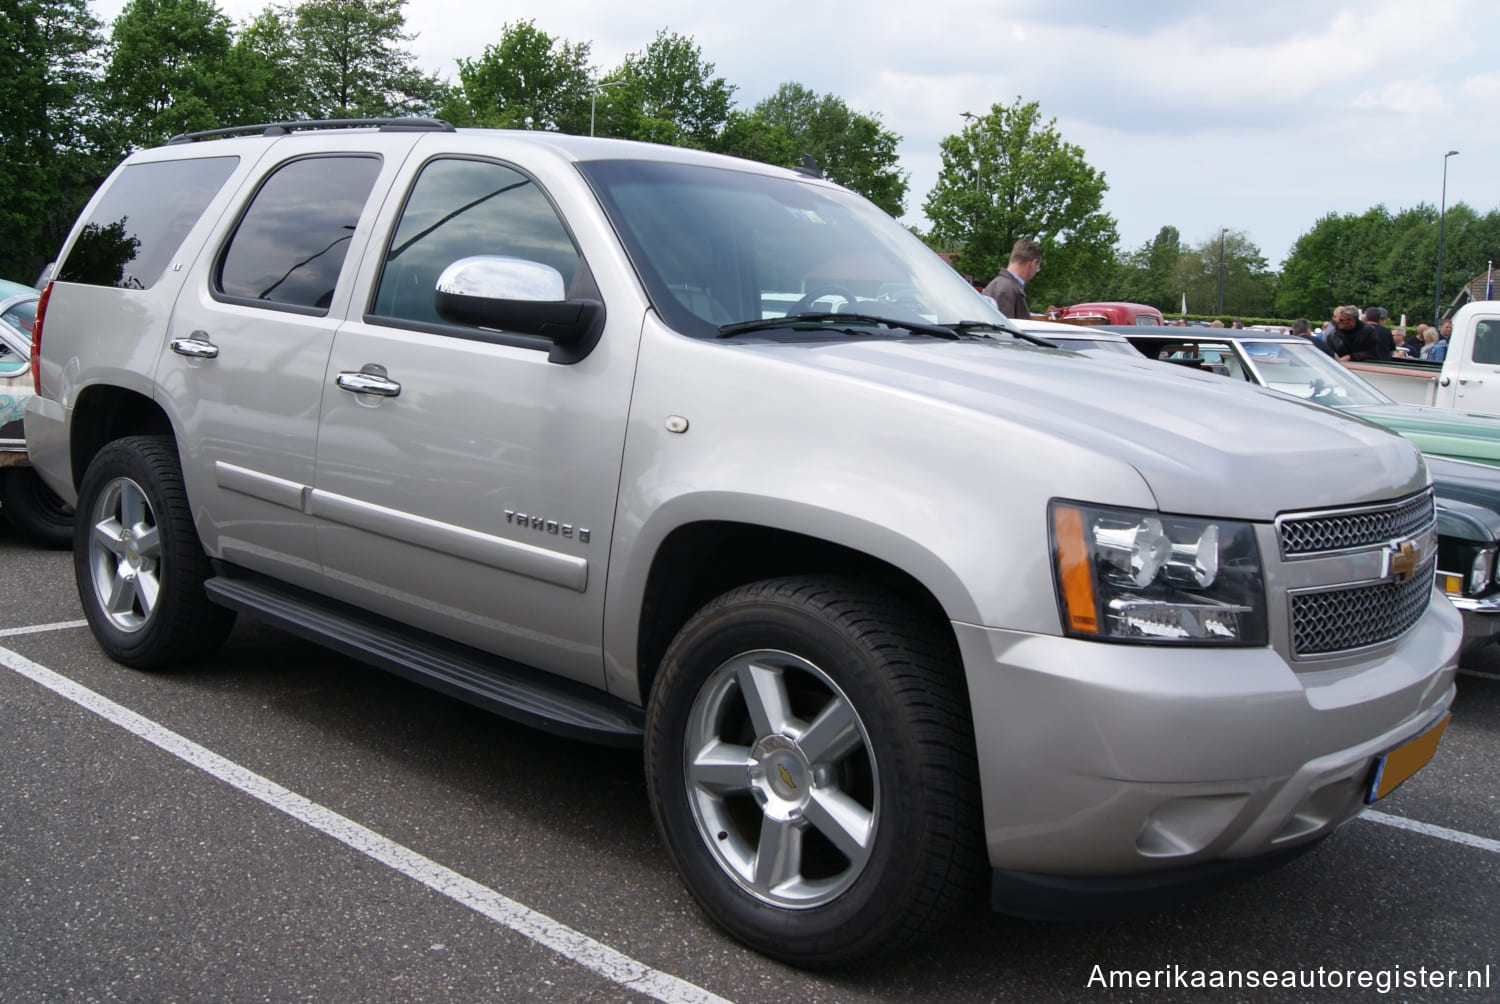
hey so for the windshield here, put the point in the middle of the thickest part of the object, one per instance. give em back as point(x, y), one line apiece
point(717, 247)
point(1305, 371)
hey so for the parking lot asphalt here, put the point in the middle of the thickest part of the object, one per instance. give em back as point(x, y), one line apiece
point(281, 823)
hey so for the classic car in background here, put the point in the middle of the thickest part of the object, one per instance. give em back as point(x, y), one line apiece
point(1111, 312)
point(31, 507)
point(1462, 449)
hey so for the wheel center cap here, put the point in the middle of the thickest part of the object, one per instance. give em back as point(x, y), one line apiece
point(780, 778)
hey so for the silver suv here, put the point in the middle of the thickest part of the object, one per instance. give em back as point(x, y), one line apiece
point(663, 449)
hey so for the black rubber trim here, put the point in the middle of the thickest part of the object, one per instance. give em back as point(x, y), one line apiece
point(1123, 897)
point(510, 689)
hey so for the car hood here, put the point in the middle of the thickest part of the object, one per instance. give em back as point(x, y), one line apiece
point(1441, 432)
point(1203, 444)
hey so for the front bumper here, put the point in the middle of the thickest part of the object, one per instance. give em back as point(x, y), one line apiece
point(1100, 760)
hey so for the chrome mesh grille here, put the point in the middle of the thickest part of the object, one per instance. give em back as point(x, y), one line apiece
point(1321, 533)
point(1343, 619)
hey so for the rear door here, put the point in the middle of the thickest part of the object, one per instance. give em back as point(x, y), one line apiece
point(249, 340)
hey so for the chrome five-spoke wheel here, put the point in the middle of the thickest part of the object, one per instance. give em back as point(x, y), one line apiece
point(781, 780)
point(124, 555)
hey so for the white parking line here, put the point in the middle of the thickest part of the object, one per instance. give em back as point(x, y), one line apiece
point(41, 628)
point(1428, 829)
point(1475, 672)
point(585, 951)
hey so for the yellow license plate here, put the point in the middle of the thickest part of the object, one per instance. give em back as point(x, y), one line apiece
point(1395, 766)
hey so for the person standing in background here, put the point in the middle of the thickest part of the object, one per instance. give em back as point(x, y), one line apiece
point(1008, 289)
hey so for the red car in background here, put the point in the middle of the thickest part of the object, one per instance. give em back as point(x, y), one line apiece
point(1111, 312)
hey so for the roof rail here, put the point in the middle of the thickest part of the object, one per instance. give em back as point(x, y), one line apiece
point(286, 128)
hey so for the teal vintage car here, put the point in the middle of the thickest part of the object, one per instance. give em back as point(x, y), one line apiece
point(1462, 449)
point(35, 510)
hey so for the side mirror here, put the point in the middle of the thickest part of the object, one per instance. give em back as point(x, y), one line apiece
point(527, 297)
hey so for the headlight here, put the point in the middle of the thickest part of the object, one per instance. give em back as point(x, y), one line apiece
point(1481, 570)
point(1127, 575)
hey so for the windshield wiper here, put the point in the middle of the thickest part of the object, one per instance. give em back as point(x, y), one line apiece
point(831, 322)
point(968, 327)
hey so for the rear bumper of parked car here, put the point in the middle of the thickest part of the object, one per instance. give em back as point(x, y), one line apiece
point(1101, 762)
point(47, 445)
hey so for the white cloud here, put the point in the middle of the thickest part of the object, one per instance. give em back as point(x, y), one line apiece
point(1201, 113)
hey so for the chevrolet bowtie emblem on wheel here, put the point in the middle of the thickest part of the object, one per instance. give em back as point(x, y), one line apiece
point(1403, 560)
point(786, 777)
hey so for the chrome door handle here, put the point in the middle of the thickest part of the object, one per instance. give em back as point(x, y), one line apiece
point(195, 346)
point(369, 380)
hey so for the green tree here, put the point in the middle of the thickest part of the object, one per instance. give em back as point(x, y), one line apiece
point(848, 147)
point(1008, 175)
point(351, 63)
point(1145, 274)
point(169, 69)
point(51, 151)
point(528, 80)
point(666, 94)
point(1232, 258)
point(264, 63)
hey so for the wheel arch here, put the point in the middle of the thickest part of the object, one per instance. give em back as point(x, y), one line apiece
point(105, 413)
point(699, 560)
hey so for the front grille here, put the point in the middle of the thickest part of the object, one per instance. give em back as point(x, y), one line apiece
point(1343, 619)
point(1326, 532)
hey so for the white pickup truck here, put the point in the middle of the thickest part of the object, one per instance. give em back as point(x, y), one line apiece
point(1468, 378)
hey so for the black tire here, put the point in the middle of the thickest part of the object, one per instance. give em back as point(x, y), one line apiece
point(37, 512)
point(139, 563)
point(903, 848)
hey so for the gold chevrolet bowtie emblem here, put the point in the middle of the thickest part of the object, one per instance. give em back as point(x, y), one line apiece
point(786, 776)
point(1404, 561)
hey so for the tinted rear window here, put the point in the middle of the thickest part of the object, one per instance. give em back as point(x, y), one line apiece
point(290, 244)
point(138, 225)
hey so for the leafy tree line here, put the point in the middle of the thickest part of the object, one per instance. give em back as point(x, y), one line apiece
point(76, 96)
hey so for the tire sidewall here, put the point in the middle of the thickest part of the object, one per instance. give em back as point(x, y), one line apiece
point(867, 912)
point(134, 458)
point(37, 512)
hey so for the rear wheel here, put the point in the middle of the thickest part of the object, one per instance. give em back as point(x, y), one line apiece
point(37, 512)
point(811, 767)
point(138, 561)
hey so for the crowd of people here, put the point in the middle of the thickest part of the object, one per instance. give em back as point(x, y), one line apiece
point(1353, 337)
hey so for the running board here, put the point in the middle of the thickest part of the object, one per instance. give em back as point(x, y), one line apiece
point(520, 693)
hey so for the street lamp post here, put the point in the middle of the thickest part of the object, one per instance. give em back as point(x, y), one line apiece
point(1219, 299)
point(594, 96)
point(979, 158)
point(1437, 297)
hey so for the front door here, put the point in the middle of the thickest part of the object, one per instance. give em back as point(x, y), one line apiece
point(465, 485)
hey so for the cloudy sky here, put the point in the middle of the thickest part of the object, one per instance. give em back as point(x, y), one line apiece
point(1201, 113)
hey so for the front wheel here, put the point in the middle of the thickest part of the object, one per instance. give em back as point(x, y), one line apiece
point(138, 561)
point(812, 770)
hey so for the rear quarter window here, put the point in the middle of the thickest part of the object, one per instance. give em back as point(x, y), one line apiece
point(139, 223)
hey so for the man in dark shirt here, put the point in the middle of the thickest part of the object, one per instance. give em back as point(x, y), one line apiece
point(1008, 289)
point(1303, 329)
point(1352, 339)
point(1374, 316)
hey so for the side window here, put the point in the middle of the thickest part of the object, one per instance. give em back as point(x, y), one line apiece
point(458, 208)
point(1487, 343)
point(140, 222)
point(291, 241)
